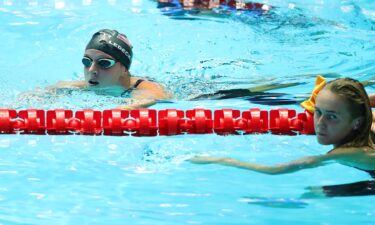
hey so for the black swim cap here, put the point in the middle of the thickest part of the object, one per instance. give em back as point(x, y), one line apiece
point(113, 43)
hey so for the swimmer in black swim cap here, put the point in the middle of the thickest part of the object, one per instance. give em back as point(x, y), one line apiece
point(106, 61)
point(113, 43)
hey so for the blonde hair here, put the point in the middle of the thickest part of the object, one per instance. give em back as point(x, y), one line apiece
point(355, 94)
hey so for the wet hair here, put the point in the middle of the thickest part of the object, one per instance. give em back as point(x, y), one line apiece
point(114, 44)
point(355, 94)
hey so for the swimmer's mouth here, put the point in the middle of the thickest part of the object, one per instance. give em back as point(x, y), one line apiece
point(93, 83)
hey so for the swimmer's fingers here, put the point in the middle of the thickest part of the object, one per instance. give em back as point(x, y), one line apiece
point(51, 90)
point(31, 95)
point(137, 104)
point(368, 82)
point(28, 97)
point(37, 96)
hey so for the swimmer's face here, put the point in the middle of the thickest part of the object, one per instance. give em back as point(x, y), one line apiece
point(103, 73)
point(332, 119)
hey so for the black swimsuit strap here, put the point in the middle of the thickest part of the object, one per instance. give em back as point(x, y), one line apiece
point(137, 83)
point(371, 172)
point(128, 91)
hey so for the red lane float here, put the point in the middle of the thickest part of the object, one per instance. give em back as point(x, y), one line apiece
point(209, 4)
point(149, 122)
point(244, 5)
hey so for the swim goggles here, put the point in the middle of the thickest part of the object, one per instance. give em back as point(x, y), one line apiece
point(102, 63)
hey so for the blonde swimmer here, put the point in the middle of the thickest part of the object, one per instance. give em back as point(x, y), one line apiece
point(342, 118)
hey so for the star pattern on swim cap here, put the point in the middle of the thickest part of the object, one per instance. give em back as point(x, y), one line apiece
point(105, 36)
point(124, 39)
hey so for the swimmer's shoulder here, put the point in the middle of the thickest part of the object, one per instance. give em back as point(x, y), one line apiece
point(153, 88)
point(359, 157)
point(364, 150)
point(342, 154)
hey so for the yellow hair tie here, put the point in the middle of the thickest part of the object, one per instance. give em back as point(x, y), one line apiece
point(309, 104)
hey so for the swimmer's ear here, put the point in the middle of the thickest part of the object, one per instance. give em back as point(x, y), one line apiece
point(126, 71)
point(357, 123)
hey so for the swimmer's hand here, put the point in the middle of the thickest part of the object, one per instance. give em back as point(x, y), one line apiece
point(137, 104)
point(64, 86)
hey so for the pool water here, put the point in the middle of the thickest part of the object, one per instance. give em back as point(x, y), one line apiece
point(76, 179)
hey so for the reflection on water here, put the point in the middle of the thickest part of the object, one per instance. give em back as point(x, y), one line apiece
point(61, 4)
point(286, 203)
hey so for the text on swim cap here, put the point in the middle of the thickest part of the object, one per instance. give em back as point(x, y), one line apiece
point(120, 48)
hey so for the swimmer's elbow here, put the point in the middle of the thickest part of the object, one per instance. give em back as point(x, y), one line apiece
point(279, 169)
point(276, 170)
point(265, 169)
point(269, 170)
point(294, 166)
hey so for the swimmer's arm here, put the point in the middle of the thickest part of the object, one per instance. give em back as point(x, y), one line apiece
point(66, 85)
point(70, 84)
point(290, 167)
point(41, 93)
point(138, 103)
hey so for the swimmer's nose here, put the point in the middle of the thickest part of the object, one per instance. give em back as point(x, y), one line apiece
point(93, 73)
point(93, 69)
point(320, 122)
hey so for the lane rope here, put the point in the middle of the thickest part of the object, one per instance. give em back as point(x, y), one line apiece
point(150, 122)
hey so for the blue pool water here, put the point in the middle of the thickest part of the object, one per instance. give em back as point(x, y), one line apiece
point(146, 180)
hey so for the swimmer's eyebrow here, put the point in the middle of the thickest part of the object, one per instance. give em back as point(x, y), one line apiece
point(99, 57)
point(328, 111)
point(85, 55)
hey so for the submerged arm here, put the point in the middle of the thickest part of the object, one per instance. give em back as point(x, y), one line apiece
point(138, 103)
point(290, 167)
